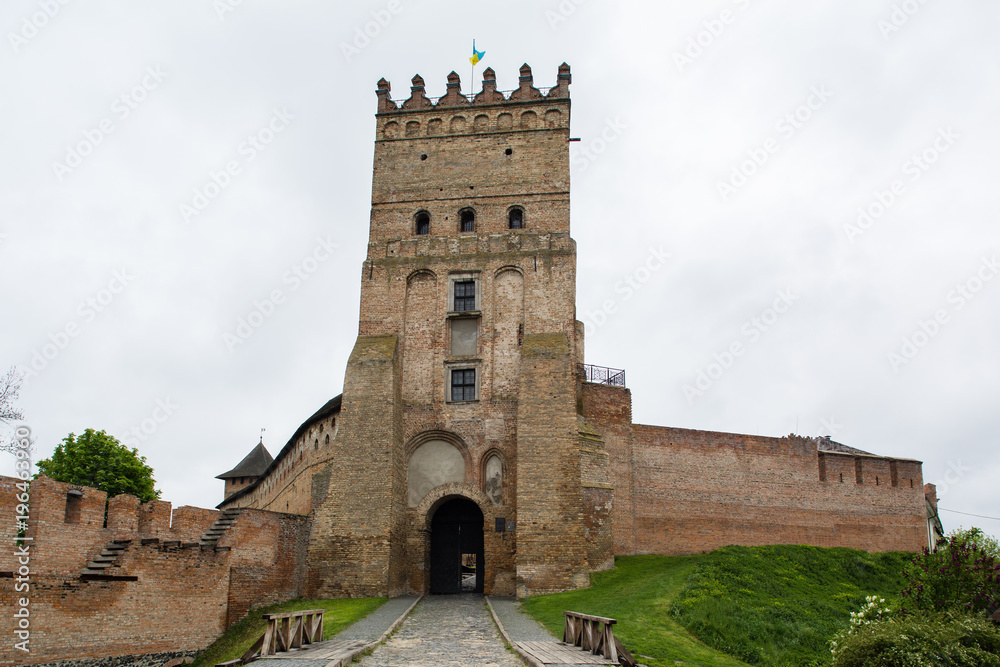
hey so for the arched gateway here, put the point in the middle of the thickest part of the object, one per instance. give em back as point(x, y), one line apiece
point(460, 552)
point(457, 556)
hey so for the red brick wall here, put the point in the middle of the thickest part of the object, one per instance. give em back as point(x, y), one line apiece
point(551, 550)
point(597, 496)
point(177, 604)
point(609, 409)
point(699, 490)
point(58, 546)
point(8, 525)
point(188, 523)
point(357, 537)
point(181, 597)
point(268, 560)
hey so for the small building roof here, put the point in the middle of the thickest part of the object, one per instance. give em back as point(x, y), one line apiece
point(253, 464)
point(331, 407)
point(825, 444)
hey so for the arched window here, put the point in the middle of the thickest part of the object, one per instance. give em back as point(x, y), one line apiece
point(423, 220)
point(468, 218)
point(493, 479)
point(515, 218)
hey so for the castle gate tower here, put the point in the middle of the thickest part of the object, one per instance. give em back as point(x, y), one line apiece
point(459, 404)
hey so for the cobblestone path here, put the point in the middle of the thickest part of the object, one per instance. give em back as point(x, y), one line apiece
point(445, 630)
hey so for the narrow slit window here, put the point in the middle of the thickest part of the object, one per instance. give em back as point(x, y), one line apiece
point(463, 384)
point(516, 218)
point(468, 221)
point(423, 223)
point(74, 500)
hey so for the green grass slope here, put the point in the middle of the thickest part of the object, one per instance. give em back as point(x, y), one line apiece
point(339, 614)
point(781, 605)
point(775, 605)
point(638, 593)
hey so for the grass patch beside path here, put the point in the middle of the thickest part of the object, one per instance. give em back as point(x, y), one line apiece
point(638, 593)
point(339, 614)
point(780, 605)
point(774, 605)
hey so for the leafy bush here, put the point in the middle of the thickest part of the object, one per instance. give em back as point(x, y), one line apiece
point(963, 574)
point(875, 610)
point(918, 639)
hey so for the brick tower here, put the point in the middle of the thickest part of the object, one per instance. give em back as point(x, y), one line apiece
point(458, 427)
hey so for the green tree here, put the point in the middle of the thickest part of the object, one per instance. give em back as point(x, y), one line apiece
point(98, 460)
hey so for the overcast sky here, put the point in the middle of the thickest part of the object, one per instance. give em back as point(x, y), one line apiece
point(822, 176)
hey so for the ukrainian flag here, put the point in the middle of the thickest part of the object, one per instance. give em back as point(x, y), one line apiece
point(476, 55)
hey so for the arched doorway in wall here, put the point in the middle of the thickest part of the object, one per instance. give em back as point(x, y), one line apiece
point(457, 554)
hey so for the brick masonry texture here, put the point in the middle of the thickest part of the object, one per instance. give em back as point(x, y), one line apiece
point(699, 490)
point(332, 514)
point(179, 597)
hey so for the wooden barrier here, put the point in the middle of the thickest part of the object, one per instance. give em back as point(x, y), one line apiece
point(285, 631)
point(595, 634)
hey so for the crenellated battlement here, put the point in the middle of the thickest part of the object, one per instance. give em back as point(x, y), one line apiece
point(489, 95)
point(85, 561)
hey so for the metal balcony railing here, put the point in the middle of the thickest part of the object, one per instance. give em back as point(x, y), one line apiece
point(602, 375)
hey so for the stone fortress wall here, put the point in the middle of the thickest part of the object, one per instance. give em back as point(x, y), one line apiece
point(165, 591)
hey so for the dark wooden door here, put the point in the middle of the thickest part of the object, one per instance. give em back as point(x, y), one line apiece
point(456, 529)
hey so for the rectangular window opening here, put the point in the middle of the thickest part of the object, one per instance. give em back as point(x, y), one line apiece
point(463, 384)
point(73, 502)
point(465, 295)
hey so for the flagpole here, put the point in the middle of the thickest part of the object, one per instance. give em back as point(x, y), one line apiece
point(472, 72)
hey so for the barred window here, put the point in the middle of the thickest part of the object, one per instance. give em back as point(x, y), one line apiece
point(468, 221)
point(423, 223)
point(463, 384)
point(516, 218)
point(465, 295)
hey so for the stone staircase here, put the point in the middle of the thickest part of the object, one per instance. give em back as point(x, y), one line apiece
point(104, 567)
point(101, 566)
point(225, 521)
